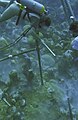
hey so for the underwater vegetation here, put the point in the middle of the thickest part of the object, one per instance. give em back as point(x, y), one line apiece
point(39, 68)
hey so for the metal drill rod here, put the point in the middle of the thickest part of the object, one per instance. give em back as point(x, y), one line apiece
point(42, 41)
point(11, 56)
point(67, 9)
point(39, 59)
point(70, 8)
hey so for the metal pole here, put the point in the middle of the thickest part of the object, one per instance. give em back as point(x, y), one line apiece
point(69, 8)
point(65, 9)
point(39, 59)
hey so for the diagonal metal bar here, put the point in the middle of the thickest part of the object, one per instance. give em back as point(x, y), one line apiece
point(16, 40)
point(67, 10)
point(42, 41)
point(11, 56)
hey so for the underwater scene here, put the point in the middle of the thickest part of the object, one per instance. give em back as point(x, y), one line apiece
point(38, 59)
